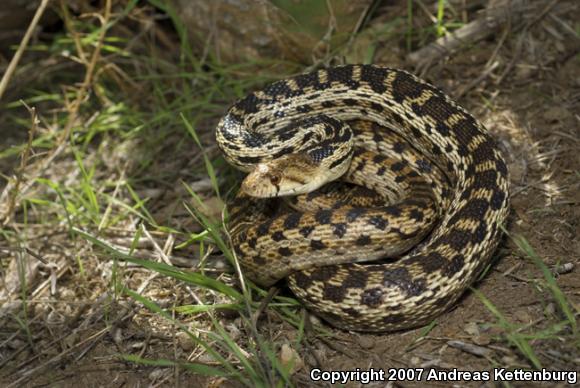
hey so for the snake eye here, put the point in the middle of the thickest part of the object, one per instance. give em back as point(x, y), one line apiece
point(275, 179)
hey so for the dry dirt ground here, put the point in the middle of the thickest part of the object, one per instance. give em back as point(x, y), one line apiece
point(531, 104)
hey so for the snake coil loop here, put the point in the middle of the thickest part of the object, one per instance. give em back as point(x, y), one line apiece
point(410, 130)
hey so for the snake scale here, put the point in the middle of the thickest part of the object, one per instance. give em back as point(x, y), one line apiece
point(283, 133)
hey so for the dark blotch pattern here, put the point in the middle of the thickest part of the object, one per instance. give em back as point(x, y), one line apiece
point(430, 263)
point(341, 74)
point(375, 78)
point(456, 238)
point(318, 154)
point(400, 277)
point(356, 279)
point(317, 245)
point(333, 293)
point(424, 165)
point(394, 319)
point(278, 235)
point(285, 251)
point(398, 166)
point(393, 211)
point(497, 200)
point(355, 213)
point(454, 266)
point(306, 80)
point(479, 233)
point(398, 119)
point(372, 297)
point(249, 159)
point(378, 222)
point(399, 147)
point(339, 229)
point(363, 240)
point(405, 86)
point(259, 260)
point(351, 312)
point(474, 209)
point(323, 216)
point(377, 137)
point(416, 215)
point(263, 229)
point(376, 107)
point(292, 220)
point(306, 230)
point(379, 158)
point(302, 280)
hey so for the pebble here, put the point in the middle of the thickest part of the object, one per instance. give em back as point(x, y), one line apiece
point(290, 357)
point(367, 342)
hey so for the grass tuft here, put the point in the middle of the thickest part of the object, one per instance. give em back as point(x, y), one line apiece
point(522, 336)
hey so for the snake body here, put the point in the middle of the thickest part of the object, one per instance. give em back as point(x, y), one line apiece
point(382, 296)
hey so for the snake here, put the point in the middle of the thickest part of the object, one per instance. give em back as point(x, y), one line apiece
point(352, 264)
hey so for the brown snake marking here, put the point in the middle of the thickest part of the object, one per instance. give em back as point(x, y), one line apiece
point(420, 285)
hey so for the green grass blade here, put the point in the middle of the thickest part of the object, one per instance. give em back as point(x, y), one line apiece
point(212, 352)
point(196, 368)
point(511, 334)
point(557, 293)
point(164, 269)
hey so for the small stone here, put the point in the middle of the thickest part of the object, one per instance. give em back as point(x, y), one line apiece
point(234, 331)
point(314, 320)
point(184, 341)
point(117, 335)
point(550, 309)
point(211, 207)
point(508, 361)
point(206, 358)
point(523, 316)
point(54, 318)
point(556, 113)
point(16, 344)
point(482, 340)
point(156, 374)
point(71, 340)
point(367, 342)
point(290, 359)
point(472, 329)
point(563, 268)
point(67, 294)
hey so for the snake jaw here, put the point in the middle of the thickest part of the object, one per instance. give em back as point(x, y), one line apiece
point(262, 182)
point(288, 175)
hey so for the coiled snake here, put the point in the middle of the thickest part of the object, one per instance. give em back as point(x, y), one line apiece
point(295, 135)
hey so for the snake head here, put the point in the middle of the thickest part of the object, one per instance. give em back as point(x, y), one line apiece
point(291, 174)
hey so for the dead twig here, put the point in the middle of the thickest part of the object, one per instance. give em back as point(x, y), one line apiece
point(476, 350)
point(486, 73)
point(24, 157)
point(160, 252)
point(484, 26)
point(522, 38)
point(265, 302)
point(37, 169)
point(23, 44)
